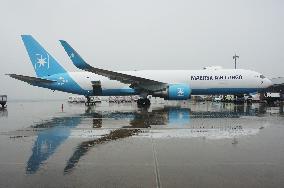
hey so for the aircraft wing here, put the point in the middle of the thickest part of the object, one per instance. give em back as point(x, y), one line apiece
point(134, 81)
point(30, 80)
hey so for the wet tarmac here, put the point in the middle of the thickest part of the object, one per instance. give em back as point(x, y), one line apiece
point(175, 144)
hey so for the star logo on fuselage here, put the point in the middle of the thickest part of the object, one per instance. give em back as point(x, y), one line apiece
point(62, 81)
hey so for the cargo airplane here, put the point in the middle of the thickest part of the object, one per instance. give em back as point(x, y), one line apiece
point(167, 84)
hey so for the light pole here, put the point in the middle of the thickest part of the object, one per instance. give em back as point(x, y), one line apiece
point(235, 58)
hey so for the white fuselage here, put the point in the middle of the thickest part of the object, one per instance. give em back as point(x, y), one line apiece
point(207, 81)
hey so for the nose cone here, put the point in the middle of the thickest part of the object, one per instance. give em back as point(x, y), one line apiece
point(268, 82)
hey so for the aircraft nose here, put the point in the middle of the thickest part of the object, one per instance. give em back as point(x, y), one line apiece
point(268, 82)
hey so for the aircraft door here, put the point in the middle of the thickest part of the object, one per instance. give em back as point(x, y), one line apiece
point(97, 88)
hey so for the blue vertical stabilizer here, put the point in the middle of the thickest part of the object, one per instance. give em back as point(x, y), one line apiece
point(44, 64)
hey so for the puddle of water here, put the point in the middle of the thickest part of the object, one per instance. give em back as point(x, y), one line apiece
point(79, 136)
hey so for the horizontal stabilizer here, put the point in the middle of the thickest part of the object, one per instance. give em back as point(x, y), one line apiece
point(31, 80)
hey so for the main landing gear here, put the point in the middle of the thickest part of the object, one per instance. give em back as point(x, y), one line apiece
point(89, 102)
point(143, 102)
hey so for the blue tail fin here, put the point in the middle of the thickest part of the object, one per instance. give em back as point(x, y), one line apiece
point(44, 64)
point(77, 60)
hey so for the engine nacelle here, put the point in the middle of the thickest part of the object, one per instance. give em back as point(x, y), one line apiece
point(174, 92)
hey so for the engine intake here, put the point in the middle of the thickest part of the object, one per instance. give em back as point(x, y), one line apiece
point(174, 92)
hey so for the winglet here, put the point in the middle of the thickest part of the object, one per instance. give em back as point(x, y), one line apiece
point(77, 60)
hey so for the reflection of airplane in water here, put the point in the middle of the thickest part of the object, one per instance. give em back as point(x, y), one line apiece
point(164, 122)
point(51, 135)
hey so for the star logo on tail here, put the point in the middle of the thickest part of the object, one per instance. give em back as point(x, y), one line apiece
point(41, 61)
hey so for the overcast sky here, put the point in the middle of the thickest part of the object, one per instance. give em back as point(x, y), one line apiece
point(148, 34)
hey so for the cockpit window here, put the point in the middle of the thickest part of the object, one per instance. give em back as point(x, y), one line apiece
point(261, 76)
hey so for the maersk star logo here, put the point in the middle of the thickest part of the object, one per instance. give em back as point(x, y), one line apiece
point(180, 92)
point(41, 61)
point(61, 81)
point(72, 55)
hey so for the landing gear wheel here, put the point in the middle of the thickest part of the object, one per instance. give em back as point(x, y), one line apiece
point(89, 102)
point(143, 102)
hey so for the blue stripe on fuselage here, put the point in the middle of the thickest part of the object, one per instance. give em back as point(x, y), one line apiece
point(65, 83)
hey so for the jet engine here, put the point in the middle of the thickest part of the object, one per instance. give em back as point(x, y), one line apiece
point(174, 92)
